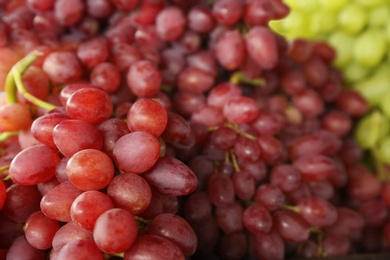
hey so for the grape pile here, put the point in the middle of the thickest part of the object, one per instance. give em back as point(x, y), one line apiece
point(358, 30)
point(142, 129)
point(359, 33)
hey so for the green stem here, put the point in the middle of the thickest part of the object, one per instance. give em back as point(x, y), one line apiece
point(14, 82)
point(5, 135)
point(142, 223)
point(292, 208)
point(234, 127)
point(240, 78)
point(121, 255)
point(3, 169)
point(10, 89)
point(23, 91)
point(234, 161)
point(22, 65)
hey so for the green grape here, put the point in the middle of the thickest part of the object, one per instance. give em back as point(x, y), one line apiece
point(370, 129)
point(354, 72)
point(386, 31)
point(352, 18)
point(307, 6)
point(323, 22)
point(385, 104)
point(372, 3)
point(379, 16)
point(291, 3)
point(370, 47)
point(295, 24)
point(333, 5)
point(382, 70)
point(384, 150)
point(373, 88)
point(343, 43)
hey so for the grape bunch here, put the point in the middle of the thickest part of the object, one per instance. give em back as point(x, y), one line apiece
point(358, 30)
point(134, 129)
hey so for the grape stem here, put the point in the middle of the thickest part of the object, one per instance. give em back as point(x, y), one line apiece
point(234, 127)
point(10, 89)
point(239, 78)
point(292, 208)
point(234, 161)
point(14, 82)
point(320, 238)
point(121, 255)
point(145, 221)
point(23, 64)
point(3, 169)
point(5, 135)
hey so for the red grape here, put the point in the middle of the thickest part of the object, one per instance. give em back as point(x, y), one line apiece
point(138, 160)
point(130, 192)
point(90, 169)
point(115, 231)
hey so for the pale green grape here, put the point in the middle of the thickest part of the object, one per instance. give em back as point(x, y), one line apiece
point(370, 129)
point(385, 104)
point(374, 88)
point(354, 72)
point(333, 5)
point(379, 16)
point(386, 31)
point(291, 3)
point(384, 150)
point(295, 24)
point(277, 26)
point(372, 3)
point(343, 43)
point(369, 48)
point(307, 6)
point(323, 22)
point(352, 18)
point(382, 70)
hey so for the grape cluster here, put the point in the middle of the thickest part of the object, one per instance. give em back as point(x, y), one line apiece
point(177, 129)
point(358, 30)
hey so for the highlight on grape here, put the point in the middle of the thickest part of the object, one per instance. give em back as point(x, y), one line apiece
point(142, 129)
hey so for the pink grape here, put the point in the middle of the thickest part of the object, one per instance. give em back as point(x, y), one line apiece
point(70, 232)
point(57, 202)
point(144, 78)
point(88, 206)
point(115, 231)
point(21, 201)
point(153, 247)
point(177, 230)
point(147, 115)
point(79, 249)
point(90, 169)
point(21, 249)
point(171, 177)
point(136, 152)
point(62, 67)
point(71, 136)
point(261, 46)
point(40, 230)
point(131, 192)
point(34, 165)
point(92, 105)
